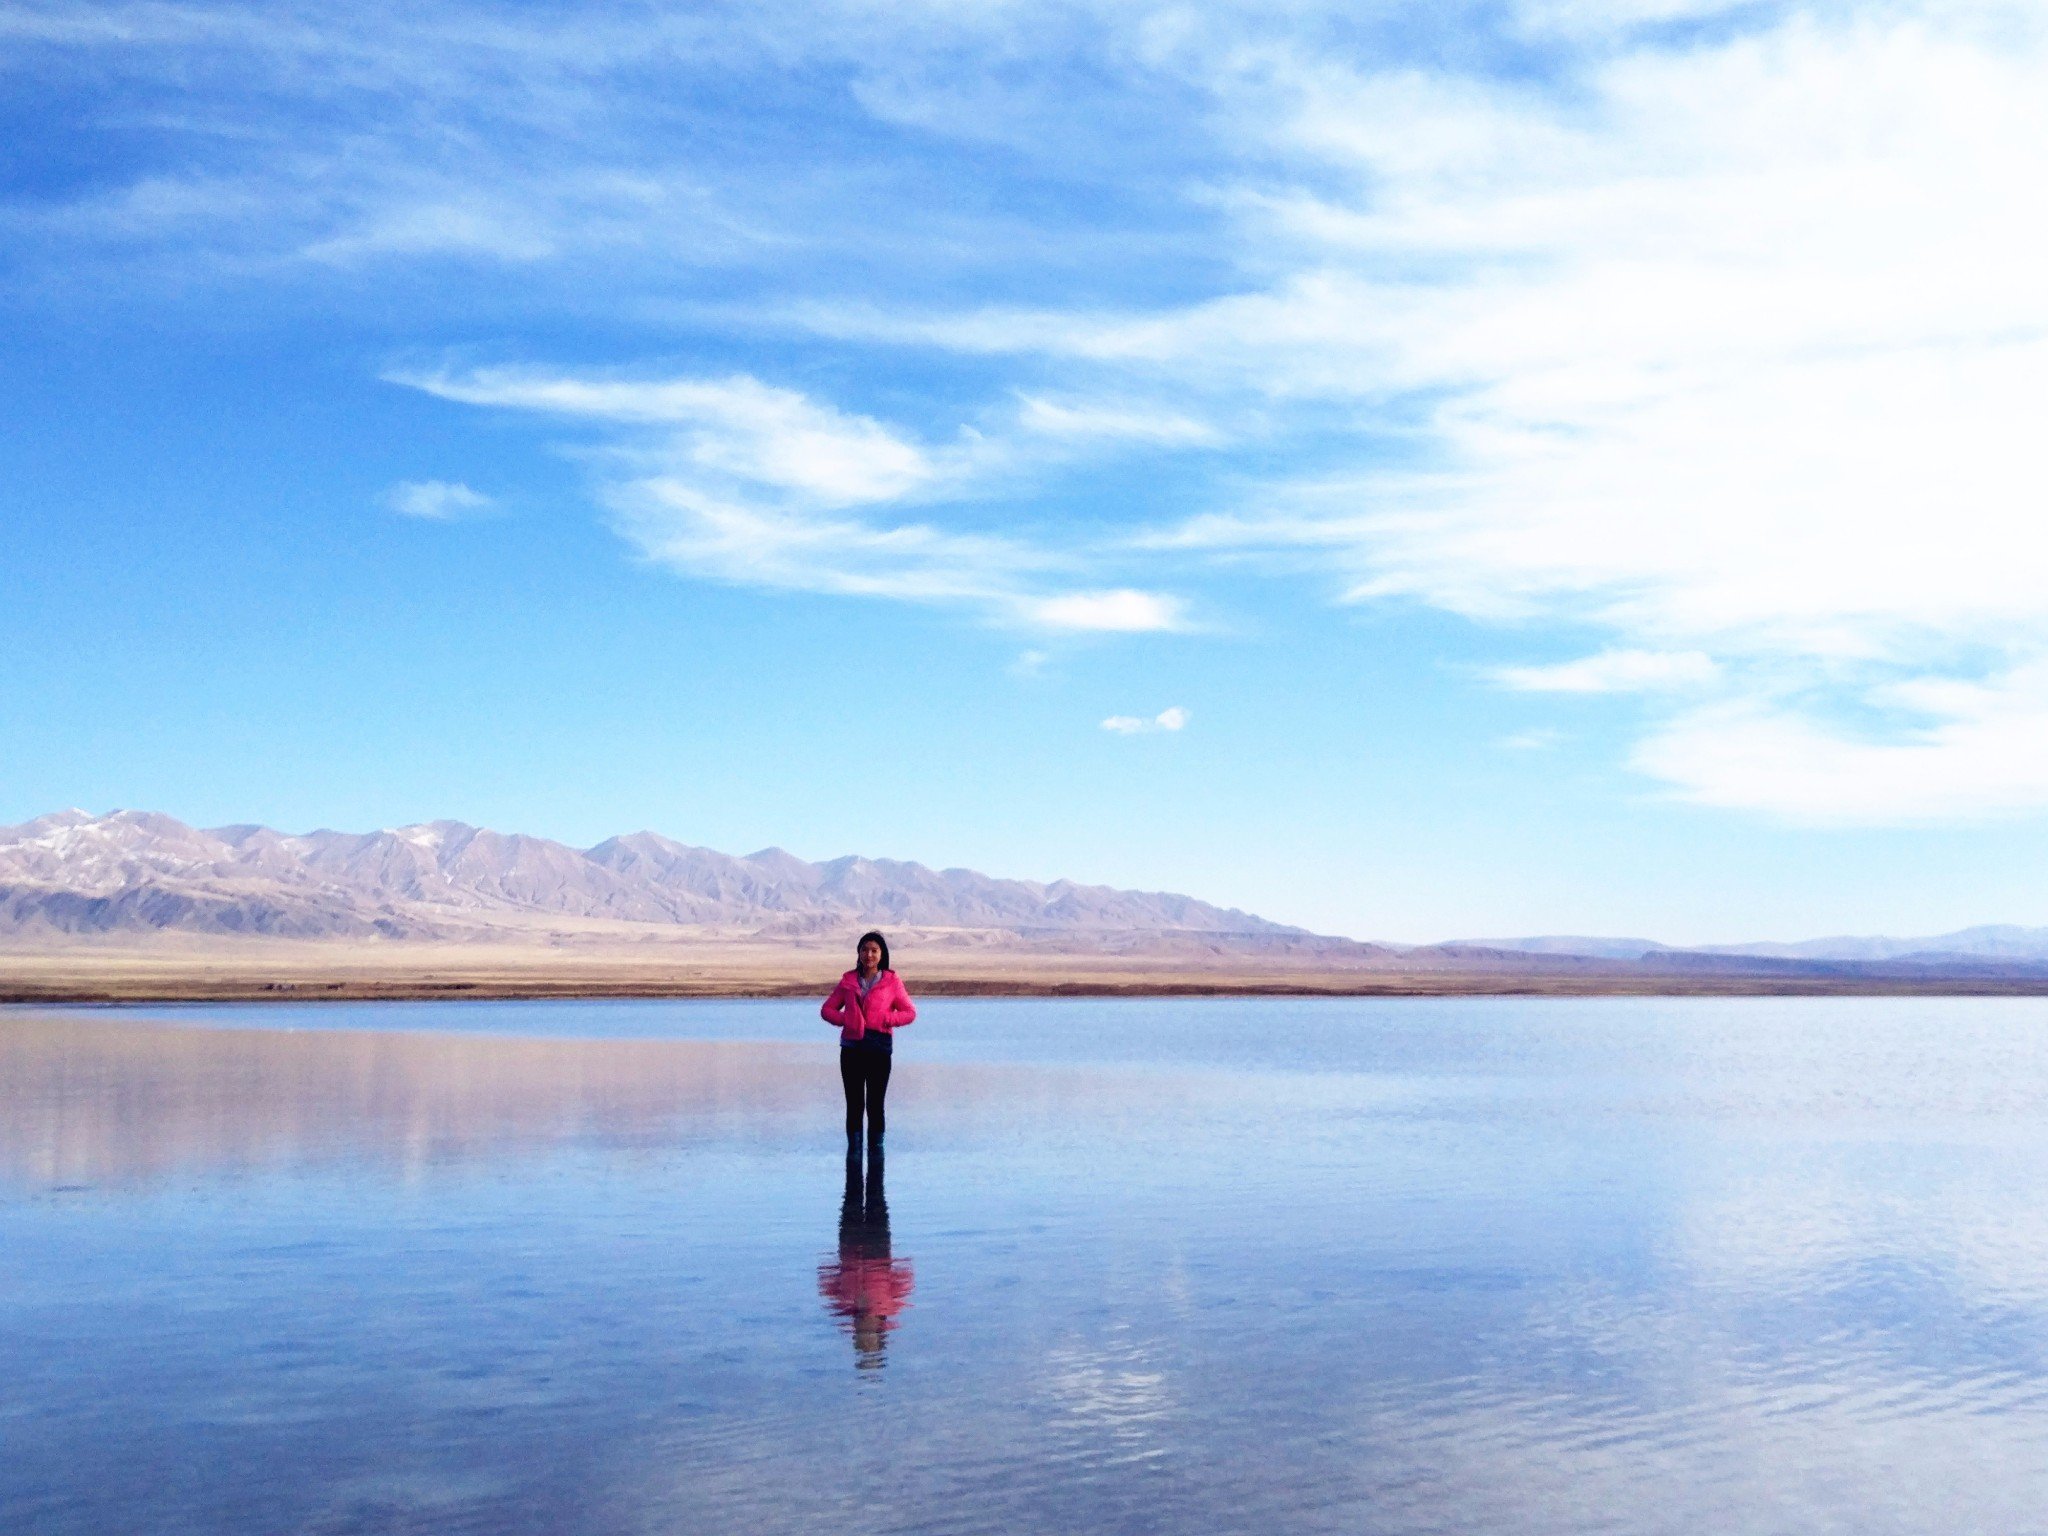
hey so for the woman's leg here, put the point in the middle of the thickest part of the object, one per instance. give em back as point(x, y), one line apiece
point(878, 1088)
point(851, 1074)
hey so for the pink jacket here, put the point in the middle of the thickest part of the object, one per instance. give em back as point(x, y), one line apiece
point(886, 1008)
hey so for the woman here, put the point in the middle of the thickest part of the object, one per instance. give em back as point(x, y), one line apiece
point(868, 1005)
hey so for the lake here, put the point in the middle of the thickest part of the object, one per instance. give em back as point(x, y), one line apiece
point(1402, 1265)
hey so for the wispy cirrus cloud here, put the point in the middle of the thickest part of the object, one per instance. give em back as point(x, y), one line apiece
point(1956, 750)
point(1094, 420)
point(1713, 330)
point(736, 427)
point(1614, 671)
point(748, 483)
point(1727, 343)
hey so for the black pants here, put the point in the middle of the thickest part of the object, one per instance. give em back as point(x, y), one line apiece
point(864, 1072)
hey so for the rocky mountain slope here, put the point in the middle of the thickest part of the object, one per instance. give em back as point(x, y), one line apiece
point(135, 872)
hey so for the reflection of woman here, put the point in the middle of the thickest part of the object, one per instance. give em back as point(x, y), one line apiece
point(866, 1287)
point(868, 1005)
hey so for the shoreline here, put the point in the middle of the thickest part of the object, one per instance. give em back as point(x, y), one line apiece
point(248, 970)
point(229, 989)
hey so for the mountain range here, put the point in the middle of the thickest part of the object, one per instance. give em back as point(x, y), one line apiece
point(1990, 942)
point(132, 872)
point(129, 874)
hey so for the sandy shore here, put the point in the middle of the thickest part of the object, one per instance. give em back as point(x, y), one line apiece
point(214, 971)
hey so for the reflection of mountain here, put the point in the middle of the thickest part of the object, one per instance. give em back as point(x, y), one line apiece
point(136, 872)
point(867, 1286)
point(91, 1099)
point(85, 1102)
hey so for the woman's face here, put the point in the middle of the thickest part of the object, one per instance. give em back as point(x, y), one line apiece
point(870, 957)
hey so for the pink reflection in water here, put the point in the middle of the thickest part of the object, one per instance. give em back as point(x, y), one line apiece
point(866, 1286)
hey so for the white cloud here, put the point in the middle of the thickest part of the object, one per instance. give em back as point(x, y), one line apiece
point(1748, 361)
point(676, 524)
point(1968, 750)
point(1108, 420)
point(375, 137)
point(1734, 348)
point(736, 427)
point(441, 228)
point(748, 483)
point(1614, 672)
point(1604, 17)
point(438, 501)
point(1123, 610)
point(1173, 719)
point(1723, 341)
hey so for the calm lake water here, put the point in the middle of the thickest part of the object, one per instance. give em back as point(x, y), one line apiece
point(1242, 1266)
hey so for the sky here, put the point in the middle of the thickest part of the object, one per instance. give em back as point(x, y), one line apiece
point(1418, 471)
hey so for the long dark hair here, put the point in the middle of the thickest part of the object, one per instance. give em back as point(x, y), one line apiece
point(871, 934)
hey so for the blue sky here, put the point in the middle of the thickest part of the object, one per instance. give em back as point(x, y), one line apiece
point(1417, 471)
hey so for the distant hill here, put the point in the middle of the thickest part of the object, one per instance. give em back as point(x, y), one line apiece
point(133, 872)
point(1564, 944)
point(1990, 943)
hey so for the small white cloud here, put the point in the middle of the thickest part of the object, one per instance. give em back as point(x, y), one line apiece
point(1030, 663)
point(1615, 671)
point(1172, 719)
point(1099, 420)
point(438, 501)
point(1530, 741)
point(1123, 611)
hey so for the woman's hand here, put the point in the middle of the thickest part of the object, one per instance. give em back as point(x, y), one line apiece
point(836, 1007)
point(901, 1010)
